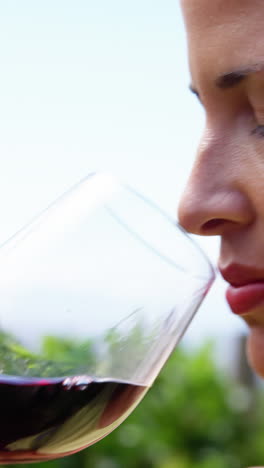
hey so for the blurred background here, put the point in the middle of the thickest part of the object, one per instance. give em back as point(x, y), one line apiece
point(88, 86)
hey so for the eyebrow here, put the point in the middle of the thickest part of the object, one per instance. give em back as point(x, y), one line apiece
point(234, 78)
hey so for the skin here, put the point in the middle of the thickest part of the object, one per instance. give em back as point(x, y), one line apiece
point(225, 192)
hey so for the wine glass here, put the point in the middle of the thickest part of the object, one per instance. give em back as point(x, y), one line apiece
point(95, 293)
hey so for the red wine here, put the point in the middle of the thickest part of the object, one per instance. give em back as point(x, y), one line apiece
point(41, 419)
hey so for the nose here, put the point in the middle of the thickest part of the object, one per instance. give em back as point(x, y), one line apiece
point(215, 200)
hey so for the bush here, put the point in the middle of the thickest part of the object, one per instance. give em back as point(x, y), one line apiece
point(193, 417)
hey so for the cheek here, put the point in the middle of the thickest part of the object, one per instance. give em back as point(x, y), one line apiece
point(255, 350)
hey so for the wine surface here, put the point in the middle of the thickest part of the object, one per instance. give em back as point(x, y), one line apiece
point(41, 419)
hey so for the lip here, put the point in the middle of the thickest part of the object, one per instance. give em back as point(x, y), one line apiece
point(246, 290)
point(245, 298)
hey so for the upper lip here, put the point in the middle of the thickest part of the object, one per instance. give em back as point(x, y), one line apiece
point(240, 275)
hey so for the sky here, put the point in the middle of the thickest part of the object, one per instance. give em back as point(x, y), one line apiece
point(99, 86)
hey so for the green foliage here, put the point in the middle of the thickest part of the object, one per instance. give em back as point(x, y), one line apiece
point(74, 357)
point(120, 347)
point(188, 419)
point(58, 356)
point(193, 417)
point(15, 359)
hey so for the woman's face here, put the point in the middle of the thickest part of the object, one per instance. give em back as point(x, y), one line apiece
point(225, 192)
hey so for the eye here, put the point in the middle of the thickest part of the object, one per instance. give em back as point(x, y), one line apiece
point(259, 131)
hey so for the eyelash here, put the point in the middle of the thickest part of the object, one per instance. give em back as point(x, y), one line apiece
point(259, 131)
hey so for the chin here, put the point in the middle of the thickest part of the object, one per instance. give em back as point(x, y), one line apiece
point(255, 349)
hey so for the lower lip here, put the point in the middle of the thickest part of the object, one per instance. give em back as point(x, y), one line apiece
point(242, 299)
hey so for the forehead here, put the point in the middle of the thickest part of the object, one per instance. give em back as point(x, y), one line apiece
point(223, 34)
point(211, 13)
